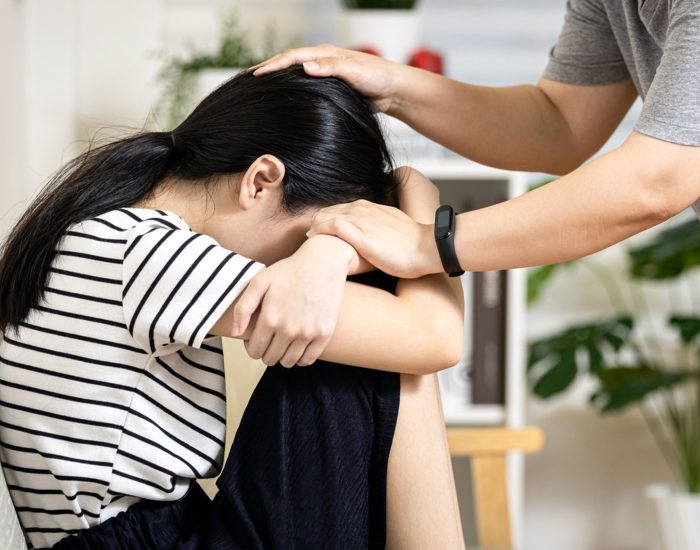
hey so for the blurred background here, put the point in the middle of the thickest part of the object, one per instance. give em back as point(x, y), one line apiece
point(73, 67)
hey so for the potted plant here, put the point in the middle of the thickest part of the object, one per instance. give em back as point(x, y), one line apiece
point(390, 28)
point(188, 78)
point(636, 367)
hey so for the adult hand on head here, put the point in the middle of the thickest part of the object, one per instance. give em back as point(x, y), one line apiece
point(372, 76)
point(289, 311)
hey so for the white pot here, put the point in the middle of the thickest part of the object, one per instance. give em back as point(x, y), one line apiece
point(395, 34)
point(678, 515)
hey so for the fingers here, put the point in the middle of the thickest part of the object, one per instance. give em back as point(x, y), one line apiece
point(299, 352)
point(276, 350)
point(294, 56)
point(260, 341)
point(248, 303)
point(294, 353)
point(350, 210)
point(344, 221)
point(312, 353)
point(278, 346)
point(341, 228)
point(328, 66)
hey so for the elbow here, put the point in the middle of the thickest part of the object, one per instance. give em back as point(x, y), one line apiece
point(452, 348)
point(444, 359)
point(447, 344)
point(662, 195)
point(664, 176)
point(571, 158)
point(562, 165)
point(447, 360)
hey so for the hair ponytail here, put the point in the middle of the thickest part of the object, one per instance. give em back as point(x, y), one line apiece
point(112, 176)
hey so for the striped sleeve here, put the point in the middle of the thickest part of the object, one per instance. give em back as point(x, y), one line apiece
point(176, 284)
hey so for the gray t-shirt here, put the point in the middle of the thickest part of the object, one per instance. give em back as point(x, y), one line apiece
point(656, 43)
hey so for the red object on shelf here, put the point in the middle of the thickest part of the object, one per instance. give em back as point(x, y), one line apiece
point(425, 58)
point(367, 49)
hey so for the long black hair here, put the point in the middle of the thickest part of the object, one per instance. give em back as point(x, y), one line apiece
point(323, 131)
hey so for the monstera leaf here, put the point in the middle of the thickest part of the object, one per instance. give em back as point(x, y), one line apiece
point(688, 328)
point(561, 359)
point(621, 387)
point(672, 252)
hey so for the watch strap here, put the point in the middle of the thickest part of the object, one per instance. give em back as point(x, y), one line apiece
point(448, 256)
point(444, 240)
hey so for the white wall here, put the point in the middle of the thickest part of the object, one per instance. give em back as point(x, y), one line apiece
point(495, 42)
point(79, 68)
point(12, 151)
point(72, 66)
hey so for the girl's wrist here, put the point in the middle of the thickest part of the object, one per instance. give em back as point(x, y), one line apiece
point(334, 251)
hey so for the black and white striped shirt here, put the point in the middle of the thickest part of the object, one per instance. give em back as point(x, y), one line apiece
point(110, 390)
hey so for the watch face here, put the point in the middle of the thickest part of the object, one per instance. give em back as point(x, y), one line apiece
point(443, 222)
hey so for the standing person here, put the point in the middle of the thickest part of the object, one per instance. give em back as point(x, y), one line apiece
point(608, 53)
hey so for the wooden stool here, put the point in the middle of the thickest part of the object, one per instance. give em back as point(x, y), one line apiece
point(487, 449)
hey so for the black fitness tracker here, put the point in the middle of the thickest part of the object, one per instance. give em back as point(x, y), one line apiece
point(445, 240)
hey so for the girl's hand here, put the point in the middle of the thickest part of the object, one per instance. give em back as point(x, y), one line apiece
point(398, 242)
point(370, 75)
point(296, 303)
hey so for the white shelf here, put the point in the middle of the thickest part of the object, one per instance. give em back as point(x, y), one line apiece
point(458, 168)
point(409, 147)
point(475, 415)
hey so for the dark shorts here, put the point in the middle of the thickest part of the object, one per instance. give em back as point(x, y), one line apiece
point(307, 470)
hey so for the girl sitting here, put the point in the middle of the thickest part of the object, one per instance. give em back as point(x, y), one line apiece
point(115, 290)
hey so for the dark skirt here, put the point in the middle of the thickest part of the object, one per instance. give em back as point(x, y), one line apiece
point(307, 469)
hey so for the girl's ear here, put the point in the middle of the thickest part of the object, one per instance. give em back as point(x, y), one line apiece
point(261, 182)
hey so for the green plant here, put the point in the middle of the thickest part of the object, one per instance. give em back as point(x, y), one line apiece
point(234, 51)
point(631, 367)
point(379, 4)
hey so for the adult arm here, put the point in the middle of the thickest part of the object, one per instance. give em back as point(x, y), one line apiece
point(636, 186)
point(549, 127)
point(651, 177)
